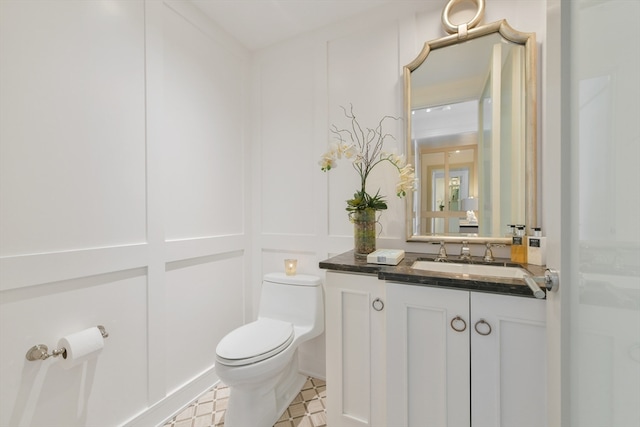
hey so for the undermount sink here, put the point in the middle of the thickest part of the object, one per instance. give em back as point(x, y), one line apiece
point(473, 269)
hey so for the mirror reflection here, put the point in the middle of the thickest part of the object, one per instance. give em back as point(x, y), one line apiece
point(471, 135)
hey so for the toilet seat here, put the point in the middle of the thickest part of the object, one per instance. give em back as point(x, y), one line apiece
point(254, 342)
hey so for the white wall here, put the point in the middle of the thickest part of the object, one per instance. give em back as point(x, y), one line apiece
point(300, 86)
point(124, 188)
point(152, 171)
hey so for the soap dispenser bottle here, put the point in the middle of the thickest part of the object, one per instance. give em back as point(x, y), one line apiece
point(518, 246)
point(537, 248)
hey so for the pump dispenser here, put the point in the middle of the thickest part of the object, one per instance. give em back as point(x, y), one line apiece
point(537, 248)
point(518, 246)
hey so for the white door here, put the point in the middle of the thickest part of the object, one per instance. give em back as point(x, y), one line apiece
point(592, 148)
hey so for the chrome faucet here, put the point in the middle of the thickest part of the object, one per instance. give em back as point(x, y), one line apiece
point(442, 253)
point(488, 254)
point(465, 252)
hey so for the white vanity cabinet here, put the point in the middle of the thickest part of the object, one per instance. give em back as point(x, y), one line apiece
point(356, 350)
point(460, 358)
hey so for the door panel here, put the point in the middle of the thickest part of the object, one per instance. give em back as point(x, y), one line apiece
point(598, 315)
point(429, 364)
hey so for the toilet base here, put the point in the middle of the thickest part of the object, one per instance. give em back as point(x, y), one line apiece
point(263, 404)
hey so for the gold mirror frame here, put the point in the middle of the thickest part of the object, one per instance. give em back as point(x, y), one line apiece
point(528, 40)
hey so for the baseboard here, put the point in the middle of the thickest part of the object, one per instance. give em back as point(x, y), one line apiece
point(173, 404)
point(309, 373)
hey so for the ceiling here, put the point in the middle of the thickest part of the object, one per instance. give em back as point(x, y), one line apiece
point(261, 23)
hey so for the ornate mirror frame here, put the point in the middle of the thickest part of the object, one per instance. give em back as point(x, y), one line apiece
point(464, 33)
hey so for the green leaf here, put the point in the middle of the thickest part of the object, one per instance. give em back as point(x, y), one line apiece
point(361, 200)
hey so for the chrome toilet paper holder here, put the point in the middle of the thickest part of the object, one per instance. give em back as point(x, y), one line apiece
point(41, 351)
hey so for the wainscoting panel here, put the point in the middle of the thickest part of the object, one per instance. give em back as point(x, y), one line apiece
point(205, 298)
point(377, 93)
point(288, 162)
point(44, 393)
point(72, 164)
point(204, 114)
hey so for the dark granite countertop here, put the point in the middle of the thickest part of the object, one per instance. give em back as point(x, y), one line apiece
point(403, 273)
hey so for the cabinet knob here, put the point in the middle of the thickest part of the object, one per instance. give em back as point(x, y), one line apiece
point(456, 321)
point(377, 304)
point(482, 322)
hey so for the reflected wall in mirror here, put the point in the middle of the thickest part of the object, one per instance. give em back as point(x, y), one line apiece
point(470, 105)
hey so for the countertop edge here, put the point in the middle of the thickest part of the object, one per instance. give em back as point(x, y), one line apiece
point(403, 273)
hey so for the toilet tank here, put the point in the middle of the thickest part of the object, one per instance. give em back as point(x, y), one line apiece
point(297, 299)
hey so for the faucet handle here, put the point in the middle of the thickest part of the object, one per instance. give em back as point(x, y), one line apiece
point(488, 254)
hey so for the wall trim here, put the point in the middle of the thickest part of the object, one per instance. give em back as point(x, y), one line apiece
point(165, 409)
point(196, 247)
point(36, 269)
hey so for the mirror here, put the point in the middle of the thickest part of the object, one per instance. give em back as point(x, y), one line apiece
point(470, 108)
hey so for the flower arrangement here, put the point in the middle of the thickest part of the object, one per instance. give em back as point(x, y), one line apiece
point(364, 148)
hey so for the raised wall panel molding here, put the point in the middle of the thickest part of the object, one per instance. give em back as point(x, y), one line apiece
point(36, 269)
point(290, 242)
point(203, 246)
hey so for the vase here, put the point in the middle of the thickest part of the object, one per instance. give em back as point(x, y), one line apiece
point(364, 232)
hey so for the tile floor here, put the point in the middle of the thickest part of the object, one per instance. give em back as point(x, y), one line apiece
point(308, 409)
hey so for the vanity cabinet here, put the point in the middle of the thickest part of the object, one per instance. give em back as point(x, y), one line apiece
point(356, 350)
point(460, 358)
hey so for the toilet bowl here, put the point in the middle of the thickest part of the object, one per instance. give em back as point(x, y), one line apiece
point(259, 361)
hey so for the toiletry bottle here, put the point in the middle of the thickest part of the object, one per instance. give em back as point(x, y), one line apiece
point(537, 248)
point(511, 230)
point(518, 246)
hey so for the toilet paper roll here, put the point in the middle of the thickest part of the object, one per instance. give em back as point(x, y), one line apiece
point(80, 347)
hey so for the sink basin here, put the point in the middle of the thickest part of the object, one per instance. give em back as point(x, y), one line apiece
point(474, 269)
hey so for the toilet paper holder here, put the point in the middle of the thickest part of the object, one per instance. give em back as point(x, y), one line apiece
point(41, 351)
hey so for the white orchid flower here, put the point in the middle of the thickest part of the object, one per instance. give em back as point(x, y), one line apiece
point(363, 147)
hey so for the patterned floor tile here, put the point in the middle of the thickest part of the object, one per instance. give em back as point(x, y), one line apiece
point(308, 408)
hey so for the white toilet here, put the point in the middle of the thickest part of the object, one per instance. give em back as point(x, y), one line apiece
point(259, 361)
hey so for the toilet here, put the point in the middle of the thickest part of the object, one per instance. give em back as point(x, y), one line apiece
point(259, 361)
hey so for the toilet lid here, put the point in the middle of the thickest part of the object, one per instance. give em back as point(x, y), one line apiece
point(254, 342)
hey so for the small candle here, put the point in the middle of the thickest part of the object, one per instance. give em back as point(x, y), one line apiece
point(290, 266)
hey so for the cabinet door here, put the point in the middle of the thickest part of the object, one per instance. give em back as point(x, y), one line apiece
point(427, 359)
point(508, 361)
point(355, 350)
